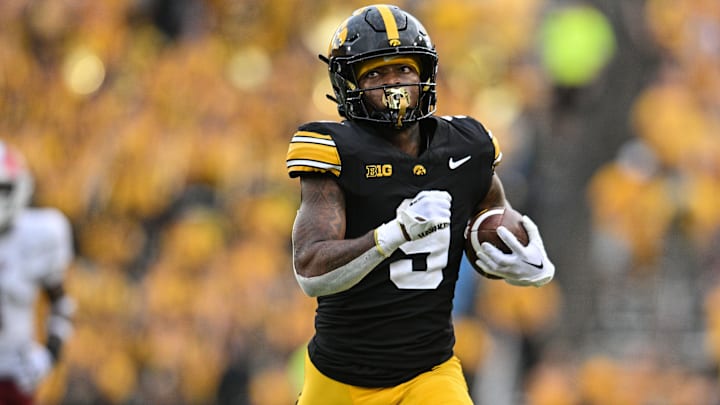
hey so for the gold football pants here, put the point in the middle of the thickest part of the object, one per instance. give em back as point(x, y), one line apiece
point(444, 384)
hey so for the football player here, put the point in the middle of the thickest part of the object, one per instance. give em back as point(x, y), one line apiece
point(35, 251)
point(378, 238)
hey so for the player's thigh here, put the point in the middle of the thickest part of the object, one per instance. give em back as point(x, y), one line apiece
point(444, 384)
point(319, 389)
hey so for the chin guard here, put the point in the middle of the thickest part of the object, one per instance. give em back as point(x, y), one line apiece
point(397, 100)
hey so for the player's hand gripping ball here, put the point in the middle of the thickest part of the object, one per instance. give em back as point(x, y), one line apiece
point(483, 228)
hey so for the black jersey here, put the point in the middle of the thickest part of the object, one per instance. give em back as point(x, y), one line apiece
point(396, 322)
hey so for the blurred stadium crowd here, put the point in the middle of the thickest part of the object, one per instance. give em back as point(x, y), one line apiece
point(160, 128)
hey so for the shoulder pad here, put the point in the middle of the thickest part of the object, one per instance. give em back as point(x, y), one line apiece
point(466, 123)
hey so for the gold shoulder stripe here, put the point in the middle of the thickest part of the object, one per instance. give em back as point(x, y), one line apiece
point(390, 25)
point(313, 151)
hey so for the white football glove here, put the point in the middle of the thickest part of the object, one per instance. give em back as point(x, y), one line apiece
point(525, 265)
point(428, 212)
point(35, 364)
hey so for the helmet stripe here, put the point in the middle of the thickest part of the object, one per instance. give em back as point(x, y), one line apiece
point(390, 25)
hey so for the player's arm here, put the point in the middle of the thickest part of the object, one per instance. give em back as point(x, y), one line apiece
point(58, 252)
point(60, 319)
point(38, 360)
point(325, 262)
point(318, 235)
point(524, 265)
point(495, 196)
point(59, 325)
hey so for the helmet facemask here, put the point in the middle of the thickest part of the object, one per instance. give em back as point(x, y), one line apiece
point(399, 107)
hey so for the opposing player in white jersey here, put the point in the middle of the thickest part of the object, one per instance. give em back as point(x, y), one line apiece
point(35, 251)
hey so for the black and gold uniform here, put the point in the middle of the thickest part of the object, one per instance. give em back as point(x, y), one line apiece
point(396, 323)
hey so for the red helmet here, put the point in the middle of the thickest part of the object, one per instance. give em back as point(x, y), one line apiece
point(16, 184)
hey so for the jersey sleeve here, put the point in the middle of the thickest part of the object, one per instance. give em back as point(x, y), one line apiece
point(312, 152)
point(58, 247)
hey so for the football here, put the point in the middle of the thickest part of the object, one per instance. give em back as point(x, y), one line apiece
point(483, 228)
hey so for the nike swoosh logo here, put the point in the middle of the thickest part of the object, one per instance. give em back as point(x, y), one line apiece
point(453, 164)
point(537, 266)
point(535, 258)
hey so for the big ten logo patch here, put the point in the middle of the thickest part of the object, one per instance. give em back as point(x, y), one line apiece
point(373, 171)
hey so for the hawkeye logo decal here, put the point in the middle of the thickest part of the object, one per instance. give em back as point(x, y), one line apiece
point(419, 170)
point(339, 38)
point(374, 171)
